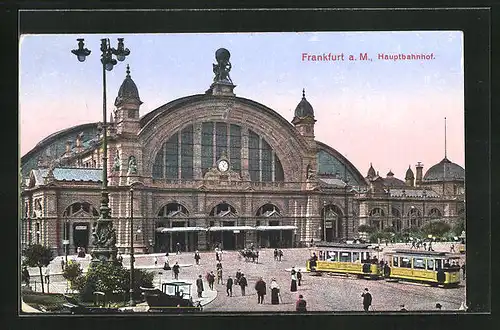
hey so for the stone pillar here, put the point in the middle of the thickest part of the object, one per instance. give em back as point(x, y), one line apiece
point(197, 151)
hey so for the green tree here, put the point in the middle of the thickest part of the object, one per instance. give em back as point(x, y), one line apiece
point(71, 272)
point(366, 229)
point(436, 228)
point(109, 278)
point(459, 227)
point(37, 255)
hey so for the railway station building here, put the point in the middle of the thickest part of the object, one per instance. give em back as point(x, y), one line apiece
point(217, 168)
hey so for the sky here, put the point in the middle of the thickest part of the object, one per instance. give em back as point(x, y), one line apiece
point(385, 112)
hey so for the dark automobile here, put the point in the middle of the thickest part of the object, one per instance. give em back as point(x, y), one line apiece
point(174, 297)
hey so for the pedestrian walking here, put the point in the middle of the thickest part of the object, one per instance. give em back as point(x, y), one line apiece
point(178, 247)
point(175, 270)
point(275, 292)
point(260, 287)
point(275, 254)
point(47, 275)
point(156, 261)
point(439, 306)
point(243, 284)
point(367, 299)
point(63, 264)
point(300, 305)
point(452, 248)
point(211, 280)
point(402, 308)
point(293, 285)
point(229, 286)
point(299, 277)
point(238, 276)
point(280, 254)
point(199, 286)
point(25, 276)
point(220, 280)
point(425, 246)
point(430, 246)
point(197, 257)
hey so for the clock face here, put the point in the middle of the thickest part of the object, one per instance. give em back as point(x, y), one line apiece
point(223, 166)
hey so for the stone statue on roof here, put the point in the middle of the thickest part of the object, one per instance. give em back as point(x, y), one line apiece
point(223, 66)
point(132, 165)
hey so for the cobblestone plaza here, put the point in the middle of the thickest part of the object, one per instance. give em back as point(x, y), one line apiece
point(328, 293)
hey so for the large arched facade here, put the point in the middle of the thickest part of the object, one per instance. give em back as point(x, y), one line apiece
point(214, 169)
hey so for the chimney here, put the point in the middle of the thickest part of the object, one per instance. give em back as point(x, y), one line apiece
point(418, 178)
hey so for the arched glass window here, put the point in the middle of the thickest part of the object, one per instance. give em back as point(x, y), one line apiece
point(176, 158)
point(415, 217)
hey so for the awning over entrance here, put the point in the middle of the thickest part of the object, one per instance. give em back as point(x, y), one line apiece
point(179, 229)
point(266, 228)
point(230, 228)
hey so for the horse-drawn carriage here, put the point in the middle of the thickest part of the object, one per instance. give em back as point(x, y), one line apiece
point(174, 297)
point(250, 254)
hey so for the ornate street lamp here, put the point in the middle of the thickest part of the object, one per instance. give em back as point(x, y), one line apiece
point(104, 236)
point(132, 259)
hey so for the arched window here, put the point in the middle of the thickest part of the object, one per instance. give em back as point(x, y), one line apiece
point(397, 223)
point(415, 217)
point(434, 213)
point(176, 158)
point(83, 209)
point(331, 229)
point(376, 218)
point(223, 210)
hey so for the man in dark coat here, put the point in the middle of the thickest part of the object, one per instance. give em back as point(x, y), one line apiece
point(299, 277)
point(175, 270)
point(367, 299)
point(238, 276)
point(26, 276)
point(229, 286)
point(199, 286)
point(260, 287)
point(300, 305)
point(243, 284)
point(211, 280)
point(275, 254)
point(280, 254)
point(293, 285)
point(197, 257)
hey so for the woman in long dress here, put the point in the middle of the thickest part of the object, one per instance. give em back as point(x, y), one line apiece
point(293, 286)
point(275, 292)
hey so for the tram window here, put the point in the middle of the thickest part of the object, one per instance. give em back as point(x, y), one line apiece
point(438, 264)
point(333, 256)
point(418, 263)
point(321, 255)
point(345, 257)
point(355, 256)
point(395, 261)
point(405, 262)
point(430, 264)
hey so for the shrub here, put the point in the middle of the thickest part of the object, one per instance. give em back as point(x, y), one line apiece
point(109, 278)
point(366, 229)
point(71, 272)
point(436, 228)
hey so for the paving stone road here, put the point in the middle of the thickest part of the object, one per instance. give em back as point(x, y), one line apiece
point(324, 293)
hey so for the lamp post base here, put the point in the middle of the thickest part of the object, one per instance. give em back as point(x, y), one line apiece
point(104, 255)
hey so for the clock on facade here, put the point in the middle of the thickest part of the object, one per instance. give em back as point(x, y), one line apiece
point(223, 165)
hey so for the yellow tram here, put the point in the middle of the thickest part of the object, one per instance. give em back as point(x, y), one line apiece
point(359, 259)
point(435, 268)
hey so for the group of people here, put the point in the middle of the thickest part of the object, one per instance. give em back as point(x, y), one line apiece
point(278, 254)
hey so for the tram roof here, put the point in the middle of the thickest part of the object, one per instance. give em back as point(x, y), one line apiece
point(424, 253)
point(343, 245)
